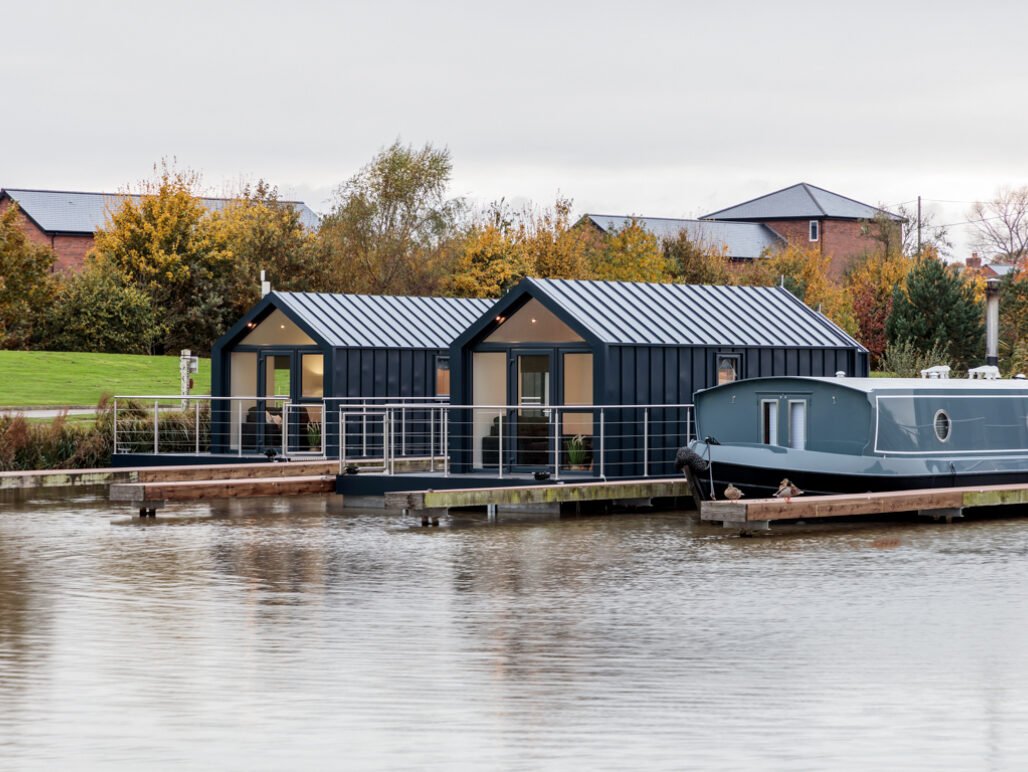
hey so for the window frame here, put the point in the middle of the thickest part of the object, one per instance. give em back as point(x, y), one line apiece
point(792, 403)
point(814, 230)
point(719, 356)
point(441, 359)
point(764, 427)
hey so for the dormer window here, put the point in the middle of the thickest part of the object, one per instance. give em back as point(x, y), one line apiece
point(815, 230)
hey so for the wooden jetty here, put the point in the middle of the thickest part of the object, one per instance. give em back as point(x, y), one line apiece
point(757, 514)
point(149, 496)
point(429, 504)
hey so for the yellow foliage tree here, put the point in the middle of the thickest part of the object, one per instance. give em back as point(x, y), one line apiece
point(696, 260)
point(555, 247)
point(161, 241)
point(630, 253)
point(492, 259)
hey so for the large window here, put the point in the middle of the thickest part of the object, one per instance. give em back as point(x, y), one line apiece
point(276, 330)
point(533, 323)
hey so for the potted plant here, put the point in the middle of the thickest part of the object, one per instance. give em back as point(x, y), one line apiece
point(314, 435)
point(577, 453)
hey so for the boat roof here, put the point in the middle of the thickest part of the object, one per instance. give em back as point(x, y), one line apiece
point(873, 385)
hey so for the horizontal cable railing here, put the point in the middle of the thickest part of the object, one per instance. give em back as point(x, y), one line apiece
point(387, 435)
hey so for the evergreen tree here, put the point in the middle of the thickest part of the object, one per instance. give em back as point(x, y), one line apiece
point(937, 306)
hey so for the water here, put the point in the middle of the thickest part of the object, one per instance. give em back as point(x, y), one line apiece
point(283, 635)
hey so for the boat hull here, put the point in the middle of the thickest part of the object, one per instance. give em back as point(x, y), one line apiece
point(758, 471)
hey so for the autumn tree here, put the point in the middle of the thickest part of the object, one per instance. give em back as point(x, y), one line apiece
point(161, 242)
point(257, 231)
point(935, 305)
point(629, 253)
point(1001, 225)
point(894, 236)
point(870, 282)
point(557, 248)
point(389, 229)
point(26, 283)
point(697, 260)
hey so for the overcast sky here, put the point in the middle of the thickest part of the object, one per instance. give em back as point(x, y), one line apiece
point(666, 109)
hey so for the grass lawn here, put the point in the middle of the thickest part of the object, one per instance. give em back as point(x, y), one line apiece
point(58, 378)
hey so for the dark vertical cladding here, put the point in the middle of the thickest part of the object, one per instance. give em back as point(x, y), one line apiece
point(656, 344)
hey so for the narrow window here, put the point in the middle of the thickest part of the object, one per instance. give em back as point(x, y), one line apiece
point(442, 376)
point(798, 424)
point(728, 368)
point(814, 230)
point(769, 421)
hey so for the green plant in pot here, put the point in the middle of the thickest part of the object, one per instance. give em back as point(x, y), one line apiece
point(577, 452)
point(314, 435)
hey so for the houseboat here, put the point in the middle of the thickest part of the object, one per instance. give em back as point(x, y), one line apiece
point(854, 435)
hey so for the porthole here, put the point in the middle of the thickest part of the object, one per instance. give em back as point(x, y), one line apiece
point(942, 426)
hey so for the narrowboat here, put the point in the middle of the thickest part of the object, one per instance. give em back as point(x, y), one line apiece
point(854, 435)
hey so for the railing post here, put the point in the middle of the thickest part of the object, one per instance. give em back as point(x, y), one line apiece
point(646, 442)
point(196, 412)
point(342, 438)
point(403, 431)
point(239, 420)
point(285, 428)
point(156, 423)
point(446, 442)
point(431, 439)
point(499, 448)
point(603, 465)
point(115, 424)
point(556, 443)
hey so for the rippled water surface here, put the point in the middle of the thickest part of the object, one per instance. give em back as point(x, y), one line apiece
point(268, 636)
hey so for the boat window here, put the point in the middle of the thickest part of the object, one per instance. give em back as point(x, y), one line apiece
point(797, 424)
point(769, 421)
point(727, 368)
point(942, 426)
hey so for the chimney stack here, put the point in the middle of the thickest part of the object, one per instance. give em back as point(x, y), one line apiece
point(992, 321)
point(974, 261)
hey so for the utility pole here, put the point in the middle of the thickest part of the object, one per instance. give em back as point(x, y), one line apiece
point(918, 226)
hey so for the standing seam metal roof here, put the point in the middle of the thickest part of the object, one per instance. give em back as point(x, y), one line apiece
point(636, 313)
point(59, 211)
point(381, 321)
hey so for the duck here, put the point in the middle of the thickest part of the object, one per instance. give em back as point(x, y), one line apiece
point(732, 493)
point(786, 490)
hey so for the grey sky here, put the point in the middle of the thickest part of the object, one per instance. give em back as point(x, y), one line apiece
point(660, 109)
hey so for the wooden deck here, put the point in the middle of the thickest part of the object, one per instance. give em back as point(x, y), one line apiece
point(148, 494)
point(938, 502)
point(429, 503)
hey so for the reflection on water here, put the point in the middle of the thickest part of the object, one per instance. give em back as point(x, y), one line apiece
point(286, 635)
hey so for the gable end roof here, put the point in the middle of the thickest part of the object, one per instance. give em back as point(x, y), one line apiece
point(799, 202)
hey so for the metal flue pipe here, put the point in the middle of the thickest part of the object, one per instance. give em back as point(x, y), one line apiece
point(992, 321)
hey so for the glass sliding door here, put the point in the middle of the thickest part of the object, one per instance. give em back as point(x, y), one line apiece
point(532, 418)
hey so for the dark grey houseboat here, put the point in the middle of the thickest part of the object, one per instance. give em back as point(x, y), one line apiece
point(559, 369)
point(298, 358)
point(852, 435)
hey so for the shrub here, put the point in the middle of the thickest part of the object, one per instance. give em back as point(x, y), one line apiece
point(905, 360)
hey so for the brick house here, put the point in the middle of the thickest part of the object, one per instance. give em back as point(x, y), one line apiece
point(808, 216)
point(65, 221)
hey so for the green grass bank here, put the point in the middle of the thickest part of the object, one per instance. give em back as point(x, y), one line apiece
point(67, 378)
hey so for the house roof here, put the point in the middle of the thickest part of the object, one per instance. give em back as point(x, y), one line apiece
point(380, 321)
point(63, 211)
point(741, 239)
point(801, 201)
point(637, 313)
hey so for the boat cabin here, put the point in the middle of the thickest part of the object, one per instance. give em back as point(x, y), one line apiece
point(298, 358)
point(558, 370)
